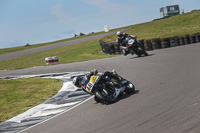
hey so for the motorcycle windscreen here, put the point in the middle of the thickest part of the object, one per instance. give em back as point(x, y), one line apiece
point(84, 81)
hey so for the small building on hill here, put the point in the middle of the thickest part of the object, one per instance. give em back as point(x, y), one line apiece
point(169, 11)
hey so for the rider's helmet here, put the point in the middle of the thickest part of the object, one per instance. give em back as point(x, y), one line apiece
point(94, 72)
point(120, 34)
point(77, 81)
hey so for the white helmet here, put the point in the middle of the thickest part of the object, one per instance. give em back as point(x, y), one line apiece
point(119, 33)
point(77, 81)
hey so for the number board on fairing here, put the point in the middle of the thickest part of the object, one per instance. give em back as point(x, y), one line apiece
point(90, 85)
point(131, 41)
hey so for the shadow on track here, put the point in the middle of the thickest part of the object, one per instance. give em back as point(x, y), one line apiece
point(141, 56)
point(126, 95)
point(121, 97)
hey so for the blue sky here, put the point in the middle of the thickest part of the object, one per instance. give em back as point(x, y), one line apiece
point(38, 21)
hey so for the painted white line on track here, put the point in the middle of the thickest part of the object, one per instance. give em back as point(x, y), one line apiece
point(67, 98)
point(57, 114)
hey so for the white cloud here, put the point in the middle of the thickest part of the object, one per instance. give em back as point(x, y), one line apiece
point(109, 7)
point(63, 17)
point(116, 14)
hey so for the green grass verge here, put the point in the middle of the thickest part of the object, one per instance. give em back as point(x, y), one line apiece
point(178, 25)
point(84, 51)
point(19, 95)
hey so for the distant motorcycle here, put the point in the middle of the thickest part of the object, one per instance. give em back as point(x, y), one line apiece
point(105, 89)
point(134, 47)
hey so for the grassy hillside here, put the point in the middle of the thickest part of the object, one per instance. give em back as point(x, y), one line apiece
point(20, 48)
point(187, 23)
point(73, 53)
point(178, 25)
point(183, 24)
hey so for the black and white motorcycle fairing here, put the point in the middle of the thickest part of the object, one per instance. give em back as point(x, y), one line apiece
point(105, 89)
point(134, 47)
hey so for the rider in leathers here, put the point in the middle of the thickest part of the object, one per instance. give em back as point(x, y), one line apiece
point(121, 39)
point(79, 81)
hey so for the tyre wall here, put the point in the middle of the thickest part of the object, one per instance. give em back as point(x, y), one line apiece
point(154, 44)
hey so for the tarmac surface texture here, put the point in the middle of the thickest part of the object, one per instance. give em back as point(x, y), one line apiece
point(167, 98)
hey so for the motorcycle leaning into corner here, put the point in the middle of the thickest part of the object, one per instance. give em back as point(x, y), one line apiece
point(134, 47)
point(106, 90)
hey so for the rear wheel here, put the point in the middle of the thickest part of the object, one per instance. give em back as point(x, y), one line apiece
point(97, 99)
point(137, 52)
point(104, 96)
point(146, 54)
point(143, 51)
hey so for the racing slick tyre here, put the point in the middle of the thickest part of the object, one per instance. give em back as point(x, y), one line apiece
point(124, 52)
point(130, 88)
point(138, 51)
point(104, 97)
point(96, 99)
point(146, 54)
point(142, 51)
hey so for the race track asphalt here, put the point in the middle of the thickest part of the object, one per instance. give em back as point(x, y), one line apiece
point(167, 98)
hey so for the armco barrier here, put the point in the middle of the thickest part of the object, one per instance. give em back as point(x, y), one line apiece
point(153, 44)
point(51, 60)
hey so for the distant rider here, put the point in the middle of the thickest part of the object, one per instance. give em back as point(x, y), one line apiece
point(121, 39)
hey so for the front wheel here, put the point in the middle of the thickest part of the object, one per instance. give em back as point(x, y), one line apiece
point(130, 88)
point(146, 54)
point(124, 52)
